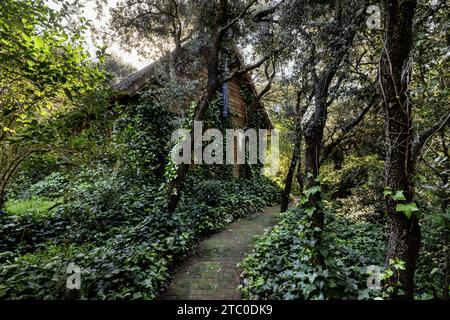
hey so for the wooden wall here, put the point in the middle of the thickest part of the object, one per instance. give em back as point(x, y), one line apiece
point(237, 107)
point(237, 104)
point(237, 110)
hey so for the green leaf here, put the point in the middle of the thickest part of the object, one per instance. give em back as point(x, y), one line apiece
point(259, 282)
point(310, 211)
point(38, 42)
point(8, 111)
point(311, 191)
point(312, 277)
point(434, 271)
point(26, 37)
point(288, 296)
point(324, 252)
point(363, 295)
point(398, 196)
point(407, 209)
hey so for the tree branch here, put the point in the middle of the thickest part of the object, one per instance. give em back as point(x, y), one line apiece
point(261, 14)
point(237, 18)
point(422, 138)
point(423, 18)
point(266, 89)
point(240, 72)
point(349, 127)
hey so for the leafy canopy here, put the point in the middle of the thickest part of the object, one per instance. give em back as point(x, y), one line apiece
point(41, 65)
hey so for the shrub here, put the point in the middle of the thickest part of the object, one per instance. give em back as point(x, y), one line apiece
point(113, 222)
point(119, 233)
point(358, 185)
point(52, 186)
point(280, 266)
point(209, 192)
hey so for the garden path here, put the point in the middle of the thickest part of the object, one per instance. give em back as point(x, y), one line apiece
point(211, 272)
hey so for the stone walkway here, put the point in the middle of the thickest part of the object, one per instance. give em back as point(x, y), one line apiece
point(211, 272)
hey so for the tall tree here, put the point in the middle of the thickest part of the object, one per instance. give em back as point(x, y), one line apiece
point(329, 38)
point(402, 147)
point(295, 161)
point(322, 81)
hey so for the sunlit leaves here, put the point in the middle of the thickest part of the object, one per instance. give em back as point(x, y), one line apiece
point(42, 68)
point(407, 209)
point(41, 65)
point(38, 42)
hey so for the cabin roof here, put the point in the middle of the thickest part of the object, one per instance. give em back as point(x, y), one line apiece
point(131, 85)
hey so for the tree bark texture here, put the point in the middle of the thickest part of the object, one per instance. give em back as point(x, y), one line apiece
point(395, 69)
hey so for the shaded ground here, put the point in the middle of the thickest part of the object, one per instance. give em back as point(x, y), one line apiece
point(211, 272)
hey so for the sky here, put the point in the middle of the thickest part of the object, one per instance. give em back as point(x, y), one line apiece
point(90, 13)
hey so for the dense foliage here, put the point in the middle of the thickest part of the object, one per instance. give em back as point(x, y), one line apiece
point(111, 221)
point(87, 174)
point(280, 266)
point(124, 242)
point(43, 67)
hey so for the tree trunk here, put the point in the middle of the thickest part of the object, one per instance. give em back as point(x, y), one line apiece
point(313, 143)
point(212, 58)
point(447, 251)
point(313, 131)
point(404, 237)
point(299, 172)
point(175, 187)
point(295, 165)
point(313, 134)
point(404, 244)
point(444, 207)
point(2, 198)
point(290, 176)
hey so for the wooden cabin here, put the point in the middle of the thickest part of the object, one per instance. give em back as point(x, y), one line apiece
point(190, 70)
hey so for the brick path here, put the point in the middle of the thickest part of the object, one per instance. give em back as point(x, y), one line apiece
point(211, 272)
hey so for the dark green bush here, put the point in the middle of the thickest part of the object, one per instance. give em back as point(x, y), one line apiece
point(119, 233)
point(113, 221)
point(280, 267)
point(209, 192)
